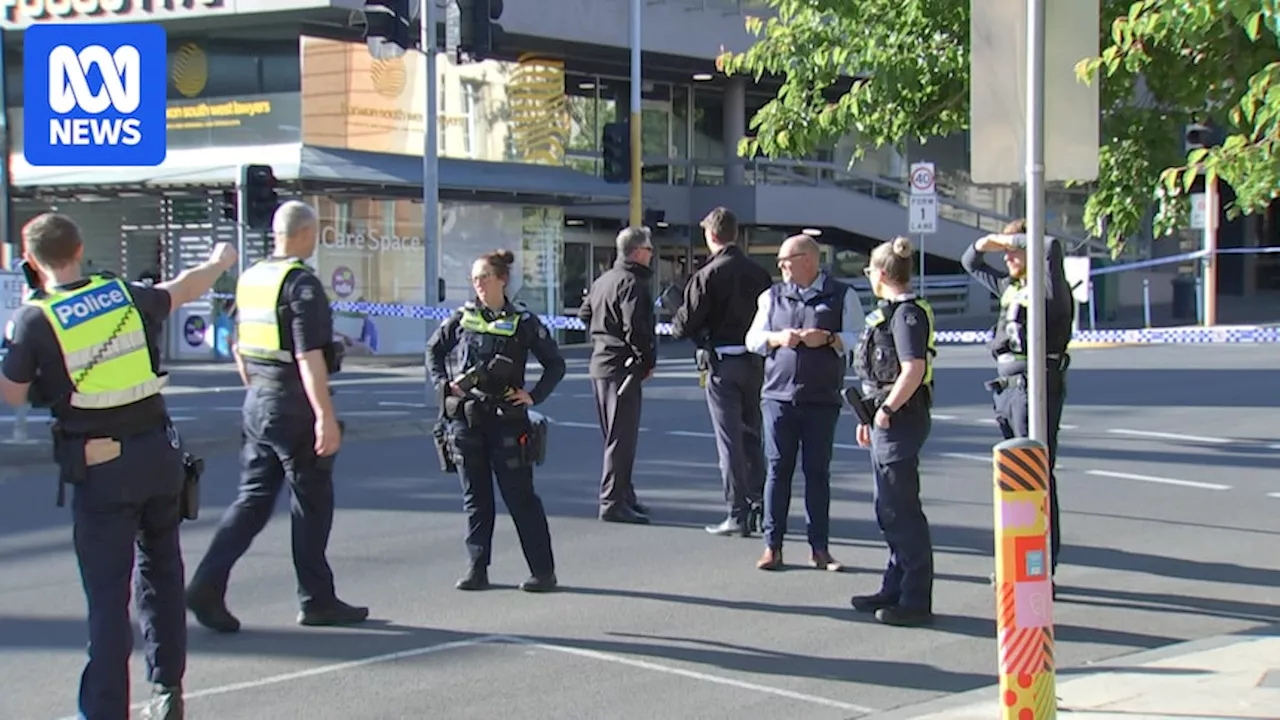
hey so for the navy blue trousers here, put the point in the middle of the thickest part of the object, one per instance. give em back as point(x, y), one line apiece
point(803, 432)
point(279, 447)
point(128, 508)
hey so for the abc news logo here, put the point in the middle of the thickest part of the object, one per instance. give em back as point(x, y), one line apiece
point(69, 92)
point(105, 101)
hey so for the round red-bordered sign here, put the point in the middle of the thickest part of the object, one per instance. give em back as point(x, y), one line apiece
point(922, 178)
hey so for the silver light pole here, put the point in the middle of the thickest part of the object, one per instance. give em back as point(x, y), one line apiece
point(430, 170)
point(1037, 268)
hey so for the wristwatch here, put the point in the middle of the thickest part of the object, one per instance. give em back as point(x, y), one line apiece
point(887, 410)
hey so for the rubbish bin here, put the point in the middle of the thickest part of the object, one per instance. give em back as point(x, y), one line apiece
point(1184, 298)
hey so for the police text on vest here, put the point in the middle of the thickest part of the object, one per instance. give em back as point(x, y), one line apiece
point(86, 306)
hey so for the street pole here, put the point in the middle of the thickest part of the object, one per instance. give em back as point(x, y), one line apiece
point(1210, 285)
point(1037, 268)
point(430, 172)
point(636, 155)
point(242, 217)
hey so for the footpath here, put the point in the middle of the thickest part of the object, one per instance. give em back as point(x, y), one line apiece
point(1231, 677)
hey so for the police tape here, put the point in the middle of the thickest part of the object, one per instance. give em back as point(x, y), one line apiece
point(1243, 334)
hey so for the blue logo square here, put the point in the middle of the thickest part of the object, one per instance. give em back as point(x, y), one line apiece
point(1035, 563)
point(95, 95)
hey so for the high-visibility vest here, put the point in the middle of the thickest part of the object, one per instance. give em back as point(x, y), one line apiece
point(104, 344)
point(258, 331)
point(877, 334)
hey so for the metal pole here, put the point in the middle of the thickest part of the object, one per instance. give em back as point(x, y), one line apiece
point(1037, 268)
point(6, 180)
point(636, 155)
point(1210, 301)
point(430, 172)
point(242, 216)
point(922, 276)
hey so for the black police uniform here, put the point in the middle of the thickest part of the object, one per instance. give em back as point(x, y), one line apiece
point(122, 508)
point(1009, 346)
point(488, 438)
point(279, 441)
point(896, 331)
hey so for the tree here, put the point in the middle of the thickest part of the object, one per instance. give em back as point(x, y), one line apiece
point(1164, 62)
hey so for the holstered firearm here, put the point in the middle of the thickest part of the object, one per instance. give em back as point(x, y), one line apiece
point(192, 469)
point(862, 406)
point(68, 453)
point(334, 353)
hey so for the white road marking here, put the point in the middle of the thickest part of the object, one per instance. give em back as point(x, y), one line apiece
point(1068, 427)
point(1170, 436)
point(372, 413)
point(937, 416)
point(329, 669)
point(693, 675)
point(1274, 495)
point(1160, 480)
point(397, 403)
point(967, 456)
point(572, 424)
point(691, 433)
point(986, 421)
point(846, 446)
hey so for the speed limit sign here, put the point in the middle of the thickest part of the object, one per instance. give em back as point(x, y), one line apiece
point(922, 179)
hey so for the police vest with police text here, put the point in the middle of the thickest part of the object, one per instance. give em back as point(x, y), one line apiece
point(104, 344)
point(876, 360)
point(258, 331)
point(489, 336)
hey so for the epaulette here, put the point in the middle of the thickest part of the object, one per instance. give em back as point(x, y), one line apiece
point(106, 275)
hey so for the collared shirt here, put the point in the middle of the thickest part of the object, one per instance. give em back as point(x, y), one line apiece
point(850, 319)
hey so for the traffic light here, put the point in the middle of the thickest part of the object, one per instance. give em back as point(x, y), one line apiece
point(616, 149)
point(1195, 136)
point(478, 33)
point(392, 27)
point(258, 193)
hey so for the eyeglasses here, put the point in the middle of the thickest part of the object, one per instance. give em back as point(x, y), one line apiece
point(481, 276)
point(788, 258)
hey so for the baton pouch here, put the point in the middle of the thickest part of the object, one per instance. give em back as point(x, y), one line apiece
point(706, 359)
point(192, 469)
point(537, 437)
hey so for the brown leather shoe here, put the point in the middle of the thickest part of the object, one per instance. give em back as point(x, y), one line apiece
point(770, 560)
point(822, 560)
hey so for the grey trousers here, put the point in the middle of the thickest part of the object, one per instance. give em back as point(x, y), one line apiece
point(733, 398)
point(620, 427)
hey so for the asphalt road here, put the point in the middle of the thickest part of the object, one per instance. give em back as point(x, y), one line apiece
point(1168, 481)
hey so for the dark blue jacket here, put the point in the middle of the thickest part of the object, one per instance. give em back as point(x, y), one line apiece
point(804, 374)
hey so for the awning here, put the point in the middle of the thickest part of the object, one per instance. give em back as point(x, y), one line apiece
point(325, 168)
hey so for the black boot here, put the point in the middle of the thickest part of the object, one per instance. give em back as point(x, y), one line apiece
point(210, 609)
point(337, 613)
point(477, 578)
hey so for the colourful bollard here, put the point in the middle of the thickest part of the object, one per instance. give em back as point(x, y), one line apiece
point(1024, 587)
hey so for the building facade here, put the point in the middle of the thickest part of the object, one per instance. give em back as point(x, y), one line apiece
point(290, 84)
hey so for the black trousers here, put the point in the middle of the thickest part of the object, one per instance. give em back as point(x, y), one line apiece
point(486, 452)
point(1012, 413)
point(620, 427)
point(733, 398)
point(129, 508)
point(279, 447)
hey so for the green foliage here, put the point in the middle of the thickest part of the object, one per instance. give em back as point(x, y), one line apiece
point(1164, 63)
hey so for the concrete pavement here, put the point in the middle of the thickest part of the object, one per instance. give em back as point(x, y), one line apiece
point(1167, 478)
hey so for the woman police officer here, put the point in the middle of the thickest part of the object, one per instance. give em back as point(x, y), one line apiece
point(486, 421)
point(894, 361)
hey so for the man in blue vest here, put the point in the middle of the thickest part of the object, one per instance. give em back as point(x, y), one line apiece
point(805, 326)
point(88, 348)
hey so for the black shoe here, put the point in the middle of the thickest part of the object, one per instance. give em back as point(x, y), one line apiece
point(730, 527)
point(755, 518)
point(477, 578)
point(872, 603)
point(624, 514)
point(165, 704)
point(904, 617)
point(540, 583)
point(639, 508)
point(339, 613)
point(211, 611)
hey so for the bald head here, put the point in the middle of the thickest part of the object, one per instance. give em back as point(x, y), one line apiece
point(798, 259)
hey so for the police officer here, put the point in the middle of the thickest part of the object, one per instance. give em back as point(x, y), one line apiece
point(487, 432)
point(894, 362)
point(285, 353)
point(88, 348)
point(719, 303)
point(805, 326)
point(1009, 343)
